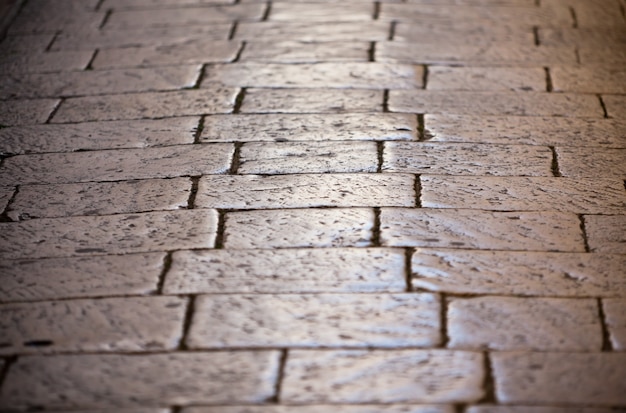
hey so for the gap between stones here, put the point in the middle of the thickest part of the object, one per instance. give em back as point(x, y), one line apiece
point(4, 216)
point(582, 230)
point(167, 264)
point(268, 10)
point(606, 113)
point(280, 376)
point(489, 383)
point(191, 306)
point(555, 163)
point(606, 337)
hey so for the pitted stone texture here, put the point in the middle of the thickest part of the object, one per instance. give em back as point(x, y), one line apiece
point(469, 34)
point(560, 378)
point(305, 191)
point(615, 105)
point(112, 234)
point(304, 101)
point(513, 323)
point(584, 162)
point(347, 75)
point(165, 162)
point(93, 381)
point(471, 229)
point(524, 130)
point(588, 79)
point(321, 408)
point(24, 112)
point(606, 233)
point(592, 14)
point(57, 278)
point(615, 314)
point(100, 198)
point(110, 324)
point(581, 195)
point(347, 270)
point(612, 56)
point(194, 51)
point(5, 195)
point(348, 376)
point(305, 52)
point(312, 127)
point(146, 105)
point(45, 62)
point(156, 4)
point(318, 320)
point(467, 159)
point(307, 31)
point(536, 409)
point(494, 103)
point(33, 19)
point(25, 44)
point(98, 135)
point(493, 78)
point(581, 37)
point(519, 273)
point(336, 227)
point(307, 157)
point(330, 12)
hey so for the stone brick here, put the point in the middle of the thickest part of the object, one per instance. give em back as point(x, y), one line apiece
point(588, 79)
point(310, 31)
point(524, 3)
point(348, 376)
point(45, 62)
point(340, 270)
point(560, 378)
point(513, 323)
point(98, 135)
point(335, 227)
point(519, 273)
point(467, 34)
point(110, 234)
point(157, 4)
point(472, 229)
point(304, 52)
point(25, 44)
point(582, 37)
point(336, 12)
point(5, 195)
point(58, 278)
point(615, 105)
point(467, 159)
point(606, 233)
point(596, 57)
point(494, 103)
point(302, 101)
point(115, 380)
point(23, 112)
point(100, 198)
point(615, 313)
point(110, 324)
point(477, 78)
point(33, 19)
point(315, 320)
point(583, 162)
point(581, 195)
point(117, 410)
point(130, 164)
point(146, 105)
point(591, 14)
point(309, 127)
point(323, 408)
point(536, 409)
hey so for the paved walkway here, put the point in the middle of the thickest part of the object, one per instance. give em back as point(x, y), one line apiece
point(211, 206)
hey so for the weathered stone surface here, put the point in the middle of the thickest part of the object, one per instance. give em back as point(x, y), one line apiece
point(117, 410)
point(146, 105)
point(615, 313)
point(156, 4)
point(318, 320)
point(131, 380)
point(581, 37)
point(606, 233)
point(560, 378)
point(165, 162)
point(336, 227)
point(98, 135)
point(5, 195)
point(461, 33)
point(45, 62)
point(349, 12)
point(110, 324)
point(348, 376)
point(309, 31)
point(615, 105)
point(591, 14)
point(612, 56)
point(56, 278)
point(322, 408)
point(24, 44)
point(309, 127)
point(584, 162)
point(470, 229)
point(111, 234)
point(493, 78)
point(303, 101)
point(580, 195)
point(305, 52)
point(35, 19)
point(307, 157)
point(467, 159)
point(536, 409)
point(588, 79)
point(23, 112)
point(513, 323)
point(519, 273)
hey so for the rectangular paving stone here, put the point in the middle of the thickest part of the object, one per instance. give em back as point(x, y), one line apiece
point(312, 31)
point(287, 11)
point(146, 105)
point(115, 380)
point(615, 105)
point(307, 157)
point(612, 56)
point(109, 234)
point(514, 323)
point(581, 195)
point(494, 103)
point(333, 270)
point(493, 78)
point(472, 229)
point(58, 278)
point(156, 4)
point(360, 376)
point(615, 314)
point(536, 409)
point(93, 166)
point(467, 33)
point(560, 378)
point(24, 112)
point(309, 127)
point(25, 44)
point(467, 159)
point(110, 324)
point(53, 20)
point(606, 233)
point(45, 62)
point(336, 227)
point(117, 410)
point(583, 162)
point(522, 273)
point(582, 37)
point(318, 320)
point(588, 79)
point(305, 52)
point(591, 14)
point(303, 101)
point(321, 408)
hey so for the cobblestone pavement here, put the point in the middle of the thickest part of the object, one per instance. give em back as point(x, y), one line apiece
point(220, 206)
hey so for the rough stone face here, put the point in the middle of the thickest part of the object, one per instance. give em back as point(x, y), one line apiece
point(157, 4)
point(340, 270)
point(25, 44)
point(51, 20)
point(536, 409)
point(24, 112)
point(606, 233)
point(477, 78)
point(290, 12)
point(611, 55)
point(615, 105)
point(110, 324)
point(615, 313)
point(581, 37)
point(588, 80)
point(311, 31)
point(321, 408)
point(92, 381)
point(303, 52)
point(584, 162)
point(348, 376)
point(337, 227)
point(468, 34)
point(45, 62)
point(469, 229)
point(560, 378)
point(302, 101)
point(513, 323)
